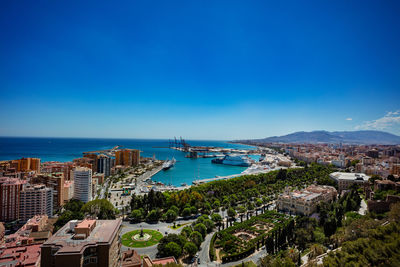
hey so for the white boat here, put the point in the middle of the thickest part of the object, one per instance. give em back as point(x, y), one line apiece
point(234, 160)
point(168, 164)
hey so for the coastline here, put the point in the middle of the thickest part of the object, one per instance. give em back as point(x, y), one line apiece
point(66, 149)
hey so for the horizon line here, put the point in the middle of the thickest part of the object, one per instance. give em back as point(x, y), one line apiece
point(126, 138)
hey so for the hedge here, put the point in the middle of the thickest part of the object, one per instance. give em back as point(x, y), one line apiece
point(212, 250)
point(239, 256)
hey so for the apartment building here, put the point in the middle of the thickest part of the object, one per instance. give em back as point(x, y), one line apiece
point(35, 200)
point(82, 184)
point(10, 189)
point(127, 157)
point(54, 181)
point(85, 243)
point(104, 165)
point(68, 191)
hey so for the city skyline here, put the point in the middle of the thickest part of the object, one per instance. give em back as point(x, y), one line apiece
point(221, 71)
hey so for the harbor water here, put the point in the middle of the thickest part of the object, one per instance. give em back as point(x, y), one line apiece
point(185, 170)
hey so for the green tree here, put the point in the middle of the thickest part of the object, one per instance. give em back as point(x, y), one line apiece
point(201, 228)
point(216, 204)
point(231, 212)
point(186, 231)
point(193, 210)
point(196, 237)
point(190, 248)
point(250, 206)
point(241, 209)
point(216, 217)
point(209, 225)
point(173, 249)
point(302, 238)
point(315, 250)
point(136, 215)
point(174, 208)
point(186, 212)
point(74, 205)
point(171, 215)
point(207, 208)
point(330, 226)
point(100, 208)
point(153, 216)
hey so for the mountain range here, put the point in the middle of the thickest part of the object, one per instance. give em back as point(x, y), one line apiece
point(344, 137)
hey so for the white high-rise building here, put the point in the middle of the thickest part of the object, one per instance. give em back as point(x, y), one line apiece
point(83, 184)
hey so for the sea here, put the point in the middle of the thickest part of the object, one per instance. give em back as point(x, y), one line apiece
point(185, 170)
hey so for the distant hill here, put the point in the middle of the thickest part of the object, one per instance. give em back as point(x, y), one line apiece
point(345, 137)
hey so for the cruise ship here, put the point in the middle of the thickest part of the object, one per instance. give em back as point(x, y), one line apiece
point(234, 160)
point(168, 164)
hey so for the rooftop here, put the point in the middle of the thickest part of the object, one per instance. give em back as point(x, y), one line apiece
point(161, 261)
point(103, 233)
point(35, 230)
point(164, 261)
point(20, 256)
point(130, 257)
point(384, 182)
point(309, 193)
point(349, 176)
point(7, 180)
point(86, 224)
point(82, 169)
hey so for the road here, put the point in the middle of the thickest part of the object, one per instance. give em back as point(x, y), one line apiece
point(205, 246)
point(204, 251)
point(162, 227)
point(205, 257)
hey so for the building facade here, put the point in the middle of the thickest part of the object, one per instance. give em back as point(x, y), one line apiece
point(104, 165)
point(127, 157)
point(10, 189)
point(35, 200)
point(54, 181)
point(86, 243)
point(305, 202)
point(83, 184)
point(93, 160)
point(68, 191)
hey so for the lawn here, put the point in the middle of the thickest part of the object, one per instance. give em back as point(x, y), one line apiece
point(128, 241)
point(177, 226)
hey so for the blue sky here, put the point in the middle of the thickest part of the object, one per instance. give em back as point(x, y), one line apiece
point(198, 69)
